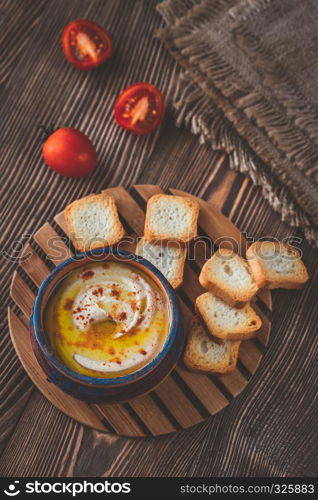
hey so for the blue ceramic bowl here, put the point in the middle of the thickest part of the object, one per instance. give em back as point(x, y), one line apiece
point(96, 389)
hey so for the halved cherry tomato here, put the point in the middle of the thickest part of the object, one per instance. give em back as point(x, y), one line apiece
point(69, 152)
point(86, 44)
point(139, 108)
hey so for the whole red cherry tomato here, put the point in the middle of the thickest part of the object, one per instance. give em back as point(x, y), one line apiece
point(86, 44)
point(69, 152)
point(139, 108)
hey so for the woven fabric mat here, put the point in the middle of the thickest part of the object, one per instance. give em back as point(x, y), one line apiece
point(249, 86)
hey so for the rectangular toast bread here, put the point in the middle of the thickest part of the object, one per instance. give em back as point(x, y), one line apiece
point(276, 265)
point(168, 257)
point(225, 322)
point(93, 222)
point(228, 277)
point(204, 355)
point(172, 218)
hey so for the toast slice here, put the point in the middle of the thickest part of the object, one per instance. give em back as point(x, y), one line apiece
point(168, 257)
point(228, 277)
point(204, 355)
point(225, 322)
point(276, 265)
point(172, 218)
point(93, 222)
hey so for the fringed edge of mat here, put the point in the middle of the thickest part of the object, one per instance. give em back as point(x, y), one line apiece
point(190, 52)
point(198, 113)
point(208, 121)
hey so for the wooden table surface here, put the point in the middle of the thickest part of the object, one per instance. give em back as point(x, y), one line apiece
point(270, 428)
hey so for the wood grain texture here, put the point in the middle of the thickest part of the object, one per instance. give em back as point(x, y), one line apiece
point(270, 428)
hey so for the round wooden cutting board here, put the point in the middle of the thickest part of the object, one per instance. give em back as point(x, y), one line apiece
point(184, 399)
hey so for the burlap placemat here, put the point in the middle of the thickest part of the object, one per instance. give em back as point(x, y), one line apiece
point(249, 86)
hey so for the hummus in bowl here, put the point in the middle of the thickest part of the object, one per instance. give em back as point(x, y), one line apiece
point(106, 326)
point(107, 319)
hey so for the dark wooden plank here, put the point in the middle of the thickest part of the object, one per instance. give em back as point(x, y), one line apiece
point(58, 437)
point(16, 389)
point(252, 436)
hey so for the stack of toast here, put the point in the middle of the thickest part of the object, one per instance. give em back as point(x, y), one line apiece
point(225, 314)
point(171, 222)
point(93, 222)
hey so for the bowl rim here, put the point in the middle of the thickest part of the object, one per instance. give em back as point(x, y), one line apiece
point(35, 320)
